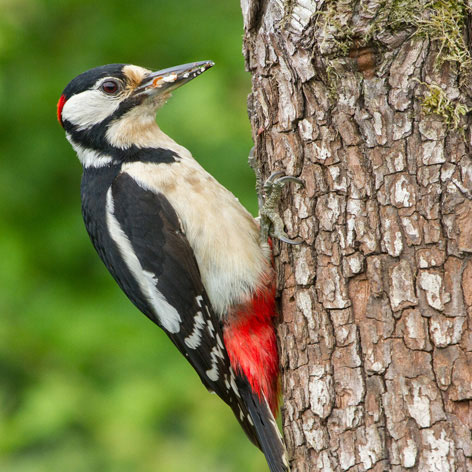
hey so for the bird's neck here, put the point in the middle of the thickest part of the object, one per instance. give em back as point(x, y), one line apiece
point(122, 139)
point(138, 129)
point(89, 157)
point(141, 131)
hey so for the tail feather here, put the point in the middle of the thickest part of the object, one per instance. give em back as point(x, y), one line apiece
point(269, 438)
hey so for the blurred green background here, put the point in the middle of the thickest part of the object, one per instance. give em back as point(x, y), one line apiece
point(87, 383)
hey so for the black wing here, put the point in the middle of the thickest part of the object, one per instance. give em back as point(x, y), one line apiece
point(144, 222)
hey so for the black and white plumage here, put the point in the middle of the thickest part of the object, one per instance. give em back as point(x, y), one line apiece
point(163, 227)
point(159, 273)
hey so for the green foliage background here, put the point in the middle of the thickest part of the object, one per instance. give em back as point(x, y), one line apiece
point(87, 383)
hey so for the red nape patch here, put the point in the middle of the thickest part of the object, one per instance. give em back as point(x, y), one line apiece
point(60, 106)
point(251, 343)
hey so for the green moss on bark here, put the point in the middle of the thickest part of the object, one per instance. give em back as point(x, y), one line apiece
point(435, 101)
point(441, 21)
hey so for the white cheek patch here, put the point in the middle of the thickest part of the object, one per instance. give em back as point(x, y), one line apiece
point(89, 108)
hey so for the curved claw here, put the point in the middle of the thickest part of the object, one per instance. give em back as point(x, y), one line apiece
point(273, 176)
point(293, 242)
point(290, 178)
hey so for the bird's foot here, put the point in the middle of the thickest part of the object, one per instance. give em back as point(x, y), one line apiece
point(270, 221)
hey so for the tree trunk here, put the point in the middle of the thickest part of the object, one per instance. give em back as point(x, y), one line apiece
point(370, 109)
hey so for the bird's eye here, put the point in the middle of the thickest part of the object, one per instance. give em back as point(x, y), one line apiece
point(110, 87)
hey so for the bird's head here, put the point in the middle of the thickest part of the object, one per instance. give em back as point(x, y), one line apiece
point(102, 108)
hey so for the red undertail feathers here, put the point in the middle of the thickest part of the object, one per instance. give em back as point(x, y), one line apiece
point(250, 340)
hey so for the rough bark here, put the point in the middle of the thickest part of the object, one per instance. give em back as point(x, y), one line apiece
point(376, 329)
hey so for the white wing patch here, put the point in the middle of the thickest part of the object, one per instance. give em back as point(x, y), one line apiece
point(210, 327)
point(194, 340)
point(213, 373)
point(168, 316)
point(233, 384)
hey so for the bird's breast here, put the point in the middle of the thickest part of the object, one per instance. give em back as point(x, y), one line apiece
point(222, 233)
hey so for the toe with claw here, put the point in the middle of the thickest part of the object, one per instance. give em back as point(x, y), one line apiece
point(271, 222)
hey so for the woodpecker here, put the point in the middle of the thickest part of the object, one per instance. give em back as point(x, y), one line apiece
point(179, 244)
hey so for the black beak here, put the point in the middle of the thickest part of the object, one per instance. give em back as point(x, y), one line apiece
point(166, 80)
